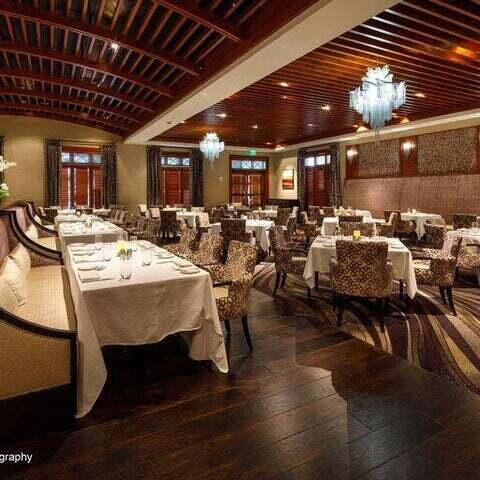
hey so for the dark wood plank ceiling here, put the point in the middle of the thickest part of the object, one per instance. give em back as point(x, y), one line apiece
point(115, 64)
point(434, 45)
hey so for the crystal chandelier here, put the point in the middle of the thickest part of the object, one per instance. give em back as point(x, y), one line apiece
point(377, 97)
point(211, 147)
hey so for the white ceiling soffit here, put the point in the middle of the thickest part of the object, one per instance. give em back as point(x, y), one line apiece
point(319, 24)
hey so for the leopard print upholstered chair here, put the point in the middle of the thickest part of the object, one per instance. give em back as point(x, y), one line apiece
point(169, 224)
point(350, 218)
point(283, 215)
point(366, 229)
point(208, 251)
point(439, 271)
point(361, 270)
point(186, 243)
point(328, 211)
point(436, 235)
point(288, 258)
point(463, 220)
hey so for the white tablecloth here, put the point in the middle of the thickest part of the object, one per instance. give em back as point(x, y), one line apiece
point(266, 213)
point(322, 249)
point(352, 211)
point(329, 224)
point(259, 227)
point(155, 302)
point(421, 218)
point(470, 235)
point(69, 233)
point(73, 218)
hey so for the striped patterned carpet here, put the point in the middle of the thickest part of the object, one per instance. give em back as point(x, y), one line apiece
point(427, 336)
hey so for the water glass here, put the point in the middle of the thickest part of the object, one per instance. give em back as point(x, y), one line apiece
point(107, 253)
point(125, 267)
point(146, 257)
point(98, 242)
point(133, 242)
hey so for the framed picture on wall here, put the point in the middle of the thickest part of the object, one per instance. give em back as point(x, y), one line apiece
point(288, 177)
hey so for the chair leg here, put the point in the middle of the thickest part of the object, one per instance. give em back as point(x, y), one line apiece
point(277, 283)
point(316, 281)
point(246, 332)
point(284, 279)
point(442, 294)
point(341, 307)
point(450, 300)
point(381, 313)
point(228, 327)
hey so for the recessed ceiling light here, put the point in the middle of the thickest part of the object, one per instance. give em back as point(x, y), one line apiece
point(221, 115)
point(268, 143)
point(284, 84)
point(420, 95)
point(405, 120)
point(255, 126)
point(284, 97)
point(278, 148)
point(311, 125)
point(326, 108)
point(114, 46)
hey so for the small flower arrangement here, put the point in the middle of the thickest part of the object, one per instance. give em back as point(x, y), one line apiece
point(4, 165)
point(4, 192)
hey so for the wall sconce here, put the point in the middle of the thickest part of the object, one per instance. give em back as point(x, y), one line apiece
point(351, 153)
point(407, 146)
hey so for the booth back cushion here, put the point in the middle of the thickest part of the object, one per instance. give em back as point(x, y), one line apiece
point(4, 243)
point(445, 195)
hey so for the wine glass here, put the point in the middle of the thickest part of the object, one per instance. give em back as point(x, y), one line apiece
point(146, 257)
point(107, 252)
point(98, 242)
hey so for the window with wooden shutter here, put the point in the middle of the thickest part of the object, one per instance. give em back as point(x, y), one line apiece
point(81, 177)
point(317, 174)
point(175, 178)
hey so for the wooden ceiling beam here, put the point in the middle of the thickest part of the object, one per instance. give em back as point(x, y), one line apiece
point(61, 116)
point(60, 111)
point(74, 101)
point(83, 63)
point(79, 85)
point(197, 14)
point(10, 9)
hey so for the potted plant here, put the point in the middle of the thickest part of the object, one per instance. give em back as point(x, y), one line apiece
point(4, 165)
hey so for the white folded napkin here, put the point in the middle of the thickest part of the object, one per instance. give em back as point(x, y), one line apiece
point(89, 276)
point(179, 262)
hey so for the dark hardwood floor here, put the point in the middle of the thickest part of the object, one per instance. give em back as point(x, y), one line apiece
point(310, 402)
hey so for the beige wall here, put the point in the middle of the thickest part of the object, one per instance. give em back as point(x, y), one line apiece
point(24, 139)
point(279, 163)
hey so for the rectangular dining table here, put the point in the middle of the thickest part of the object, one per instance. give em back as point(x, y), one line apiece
point(324, 248)
point(70, 232)
point(158, 300)
point(420, 218)
point(329, 224)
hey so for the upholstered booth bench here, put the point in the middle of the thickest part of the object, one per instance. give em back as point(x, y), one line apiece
point(38, 339)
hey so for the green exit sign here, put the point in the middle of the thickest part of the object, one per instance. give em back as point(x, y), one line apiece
point(252, 153)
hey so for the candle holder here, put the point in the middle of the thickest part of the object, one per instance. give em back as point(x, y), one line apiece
point(357, 235)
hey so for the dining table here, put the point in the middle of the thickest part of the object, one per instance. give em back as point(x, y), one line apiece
point(259, 228)
point(80, 232)
point(169, 295)
point(71, 217)
point(323, 248)
point(420, 219)
point(329, 224)
point(270, 213)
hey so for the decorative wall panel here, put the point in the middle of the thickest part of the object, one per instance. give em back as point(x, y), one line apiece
point(444, 153)
point(379, 159)
point(445, 195)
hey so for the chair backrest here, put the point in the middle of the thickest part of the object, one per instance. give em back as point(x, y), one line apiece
point(277, 237)
point(187, 237)
point(328, 211)
point(153, 227)
point(142, 208)
point(4, 240)
point(366, 229)
point(303, 218)
point(271, 207)
point(350, 218)
point(168, 219)
point(142, 224)
point(387, 214)
point(241, 257)
point(451, 246)
point(121, 215)
point(197, 209)
point(210, 247)
point(436, 235)
point(463, 220)
point(361, 267)
point(282, 215)
point(216, 214)
point(233, 228)
point(315, 214)
point(291, 227)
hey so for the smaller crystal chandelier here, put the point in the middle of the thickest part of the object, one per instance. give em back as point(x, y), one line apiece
point(377, 97)
point(211, 147)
